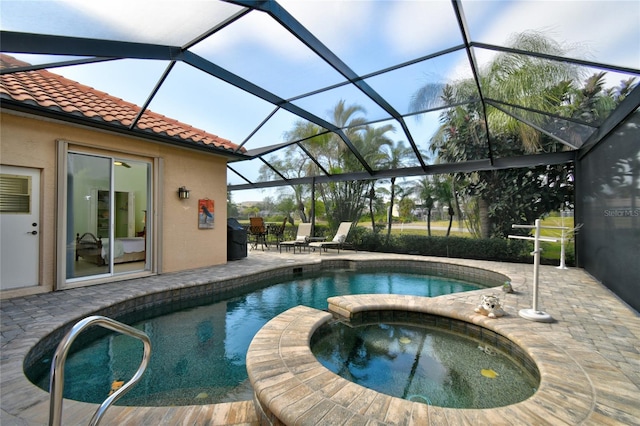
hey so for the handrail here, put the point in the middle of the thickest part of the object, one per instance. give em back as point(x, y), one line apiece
point(56, 382)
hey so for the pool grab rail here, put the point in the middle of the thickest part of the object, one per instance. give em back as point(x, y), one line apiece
point(56, 382)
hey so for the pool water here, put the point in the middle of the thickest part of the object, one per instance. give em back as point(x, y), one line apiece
point(423, 364)
point(198, 354)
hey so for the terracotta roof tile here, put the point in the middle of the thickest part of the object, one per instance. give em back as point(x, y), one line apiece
point(52, 91)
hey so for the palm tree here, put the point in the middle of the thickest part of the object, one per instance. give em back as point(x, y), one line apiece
point(346, 200)
point(396, 156)
point(373, 147)
point(426, 191)
point(371, 197)
point(517, 79)
point(295, 163)
point(526, 81)
point(445, 194)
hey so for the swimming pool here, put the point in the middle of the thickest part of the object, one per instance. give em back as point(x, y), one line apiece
point(199, 353)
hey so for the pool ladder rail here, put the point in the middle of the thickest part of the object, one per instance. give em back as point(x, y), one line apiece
point(56, 382)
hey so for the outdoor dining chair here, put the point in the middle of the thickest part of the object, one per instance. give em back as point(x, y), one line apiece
point(276, 232)
point(257, 233)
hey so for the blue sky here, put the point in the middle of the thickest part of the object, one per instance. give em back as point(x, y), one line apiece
point(367, 35)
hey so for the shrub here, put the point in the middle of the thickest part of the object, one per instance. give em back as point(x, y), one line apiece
point(497, 249)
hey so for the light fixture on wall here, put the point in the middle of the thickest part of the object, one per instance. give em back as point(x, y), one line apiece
point(183, 193)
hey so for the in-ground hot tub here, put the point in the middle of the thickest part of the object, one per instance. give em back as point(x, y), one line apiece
point(292, 387)
point(429, 359)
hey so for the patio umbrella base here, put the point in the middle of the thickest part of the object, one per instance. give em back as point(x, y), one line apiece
point(533, 315)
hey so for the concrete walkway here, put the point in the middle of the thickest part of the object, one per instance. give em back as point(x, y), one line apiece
point(593, 328)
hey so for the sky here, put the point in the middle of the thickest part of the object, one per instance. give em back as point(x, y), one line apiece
point(368, 36)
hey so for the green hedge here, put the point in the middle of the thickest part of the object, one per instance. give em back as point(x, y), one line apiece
point(496, 249)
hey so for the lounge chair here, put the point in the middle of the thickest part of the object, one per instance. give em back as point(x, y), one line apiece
point(302, 238)
point(338, 241)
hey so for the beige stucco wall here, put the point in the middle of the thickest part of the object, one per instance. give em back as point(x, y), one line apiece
point(31, 142)
point(185, 246)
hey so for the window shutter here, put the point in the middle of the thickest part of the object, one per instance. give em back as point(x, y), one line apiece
point(15, 194)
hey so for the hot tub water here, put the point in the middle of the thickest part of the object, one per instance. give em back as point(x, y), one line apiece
point(422, 364)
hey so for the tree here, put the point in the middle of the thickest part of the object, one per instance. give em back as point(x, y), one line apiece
point(445, 194)
point(232, 208)
point(527, 81)
point(426, 191)
point(371, 197)
point(294, 164)
point(522, 80)
point(346, 200)
point(394, 157)
point(253, 211)
point(406, 206)
point(286, 205)
point(343, 200)
point(371, 147)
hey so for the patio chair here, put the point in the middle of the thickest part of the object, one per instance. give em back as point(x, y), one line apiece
point(302, 238)
point(338, 241)
point(257, 232)
point(276, 232)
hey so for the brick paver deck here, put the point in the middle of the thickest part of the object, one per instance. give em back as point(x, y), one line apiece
point(594, 334)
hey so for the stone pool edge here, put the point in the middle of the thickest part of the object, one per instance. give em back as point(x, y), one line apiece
point(292, 387)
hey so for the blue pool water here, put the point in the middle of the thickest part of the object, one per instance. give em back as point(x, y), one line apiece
point(198, 354)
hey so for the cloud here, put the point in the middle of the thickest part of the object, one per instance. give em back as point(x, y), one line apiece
point(607, 32)
point(162, 22)
point(340, 25)
point(254, 34)
point(601, 31)
point(420, 27)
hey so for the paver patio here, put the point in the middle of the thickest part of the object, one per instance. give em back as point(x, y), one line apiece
point(592, 327)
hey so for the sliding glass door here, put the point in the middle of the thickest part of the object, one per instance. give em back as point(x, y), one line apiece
point(107, 203)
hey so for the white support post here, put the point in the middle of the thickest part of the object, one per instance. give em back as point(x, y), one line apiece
point(536, 265)
point(562, 241)
point(534, 314)
point(562, 252)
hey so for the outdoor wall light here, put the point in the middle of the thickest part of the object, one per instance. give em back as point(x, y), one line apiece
point(183, 193)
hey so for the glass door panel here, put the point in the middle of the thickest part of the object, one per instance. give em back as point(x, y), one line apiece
point(130, 202)
point(107, 203)
point(89, 211)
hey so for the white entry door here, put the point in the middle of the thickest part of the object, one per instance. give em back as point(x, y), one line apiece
point(19, 227)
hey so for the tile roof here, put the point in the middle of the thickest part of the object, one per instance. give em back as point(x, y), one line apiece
point(52, 91)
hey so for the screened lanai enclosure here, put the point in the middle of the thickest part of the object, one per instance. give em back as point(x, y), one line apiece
point(315, 92)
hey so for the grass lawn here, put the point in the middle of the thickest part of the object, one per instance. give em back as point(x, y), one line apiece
point(550, 251)
point(438, 229)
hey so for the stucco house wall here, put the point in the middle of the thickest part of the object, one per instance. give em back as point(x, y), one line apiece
point(29, 141)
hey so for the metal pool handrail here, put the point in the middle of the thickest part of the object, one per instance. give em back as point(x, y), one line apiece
point(56, 382)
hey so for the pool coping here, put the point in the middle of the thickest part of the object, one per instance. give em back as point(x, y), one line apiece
point(292, 387)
